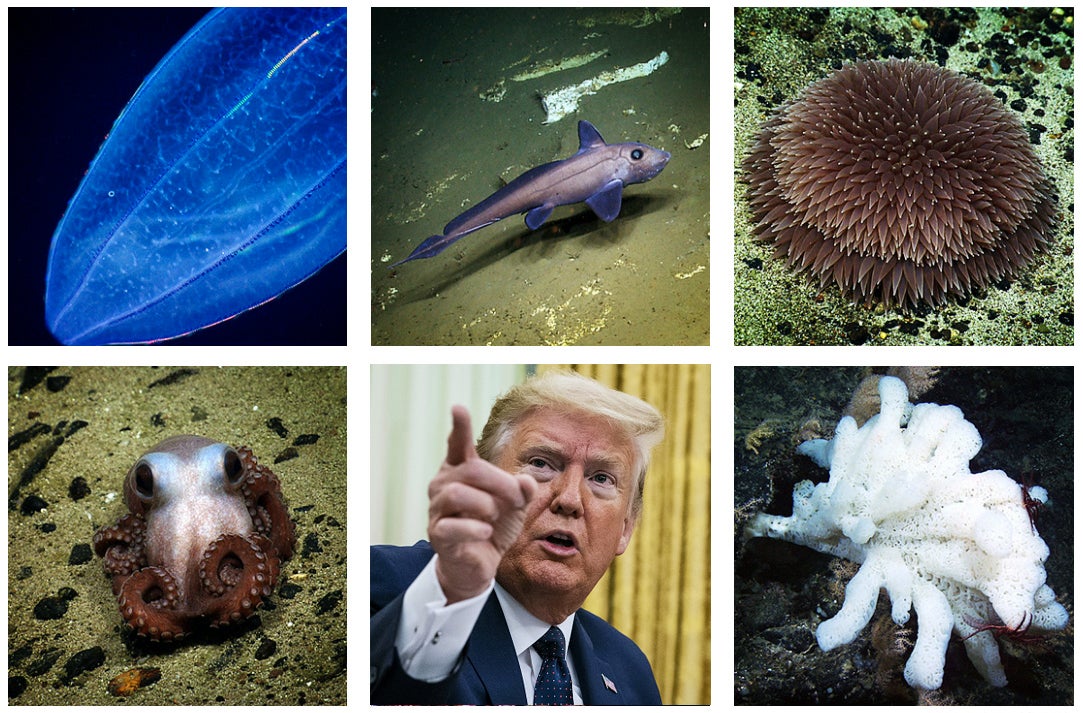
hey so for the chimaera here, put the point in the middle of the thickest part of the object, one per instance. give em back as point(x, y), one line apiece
point(595, 175)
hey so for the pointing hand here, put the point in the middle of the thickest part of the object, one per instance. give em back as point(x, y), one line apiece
point(476, 512)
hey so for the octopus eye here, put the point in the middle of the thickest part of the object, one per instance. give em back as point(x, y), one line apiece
point(233, 467)
point(144, 480)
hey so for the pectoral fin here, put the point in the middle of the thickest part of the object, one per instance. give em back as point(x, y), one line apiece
point(606, 202)
point(539, 215)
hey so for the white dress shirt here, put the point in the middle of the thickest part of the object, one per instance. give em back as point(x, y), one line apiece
point(526, 629)
point(432, 634)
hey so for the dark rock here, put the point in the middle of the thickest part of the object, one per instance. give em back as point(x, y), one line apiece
point(329, 601)
point(80, 554)
point(78, 488)
point(266, 649)
point(173, 377)
point(85, 660)
point(288, 454)
point(56, 384)
point(311, 545)
point(16, 686)
point(44, 663)
point(276, 425)
point(20, 438)
point(32, 376)
point(33, 504)
point(54, 607)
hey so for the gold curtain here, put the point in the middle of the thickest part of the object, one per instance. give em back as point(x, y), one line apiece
point(659, 592)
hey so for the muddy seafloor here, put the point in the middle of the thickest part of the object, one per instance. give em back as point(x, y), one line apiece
point(73, 434)
point(783, 591)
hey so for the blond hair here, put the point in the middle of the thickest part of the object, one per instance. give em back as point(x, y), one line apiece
point(570, 393)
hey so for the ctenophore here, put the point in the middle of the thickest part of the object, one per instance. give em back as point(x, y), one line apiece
point(221, 185)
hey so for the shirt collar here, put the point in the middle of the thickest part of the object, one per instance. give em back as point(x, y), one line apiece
point(525, 628)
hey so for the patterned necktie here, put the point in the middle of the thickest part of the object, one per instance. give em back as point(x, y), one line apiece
point(554, 684)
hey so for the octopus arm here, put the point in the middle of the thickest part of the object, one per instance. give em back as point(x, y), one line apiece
point(263, 495)
point(237, 591)
point(122, 548)
point(150, 604)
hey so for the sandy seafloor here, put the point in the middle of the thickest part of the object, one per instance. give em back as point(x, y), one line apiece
point(783, 591)
point(1016, 53)
point(93, 424)
point(438, 148)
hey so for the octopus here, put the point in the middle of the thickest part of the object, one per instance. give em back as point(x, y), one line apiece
point(203, 541)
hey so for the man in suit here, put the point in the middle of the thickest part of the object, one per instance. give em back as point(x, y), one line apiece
point(520, 531)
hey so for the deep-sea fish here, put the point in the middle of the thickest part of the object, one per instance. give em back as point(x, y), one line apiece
point(595, 175)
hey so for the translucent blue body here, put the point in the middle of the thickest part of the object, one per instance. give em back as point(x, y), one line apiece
point(221, 184)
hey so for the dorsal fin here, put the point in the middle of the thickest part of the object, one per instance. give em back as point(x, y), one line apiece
point(589, 138)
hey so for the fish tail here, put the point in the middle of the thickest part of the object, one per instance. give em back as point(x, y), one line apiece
point(433, 245)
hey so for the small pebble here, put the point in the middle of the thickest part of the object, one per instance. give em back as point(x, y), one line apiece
point(127, 683)
point(80, 554)
point(49, 608)
point(329, 601)
point(266, 649)
point(85, 660)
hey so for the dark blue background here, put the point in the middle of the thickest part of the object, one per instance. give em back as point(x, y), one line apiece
point(71, 73)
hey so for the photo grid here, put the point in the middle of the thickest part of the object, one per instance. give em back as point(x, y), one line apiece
point(521, 454)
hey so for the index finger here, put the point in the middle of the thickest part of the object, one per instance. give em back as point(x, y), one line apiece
point(460, 442)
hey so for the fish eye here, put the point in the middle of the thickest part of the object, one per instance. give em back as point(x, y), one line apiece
point(637, 154)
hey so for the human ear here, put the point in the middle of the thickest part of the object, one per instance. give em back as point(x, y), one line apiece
point(626, 534)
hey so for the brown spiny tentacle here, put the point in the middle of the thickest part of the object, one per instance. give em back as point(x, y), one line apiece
point(238, 573)
point(148, 602)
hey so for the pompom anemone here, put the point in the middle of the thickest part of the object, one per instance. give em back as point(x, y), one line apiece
point(902, 182)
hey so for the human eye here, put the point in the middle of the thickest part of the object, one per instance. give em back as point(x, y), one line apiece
point(604, 479)
point(539, 465)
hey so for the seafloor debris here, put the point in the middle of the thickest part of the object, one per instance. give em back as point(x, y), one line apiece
point(561, 102)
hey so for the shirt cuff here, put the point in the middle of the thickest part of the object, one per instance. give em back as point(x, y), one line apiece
point(432, 634)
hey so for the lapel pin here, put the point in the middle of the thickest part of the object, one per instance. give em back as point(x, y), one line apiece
point(609, 684)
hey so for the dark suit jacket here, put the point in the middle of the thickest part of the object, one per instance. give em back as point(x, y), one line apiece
point(488, 673)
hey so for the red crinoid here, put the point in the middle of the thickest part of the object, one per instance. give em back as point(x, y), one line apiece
point(1018, 633)
point(1033, 505)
